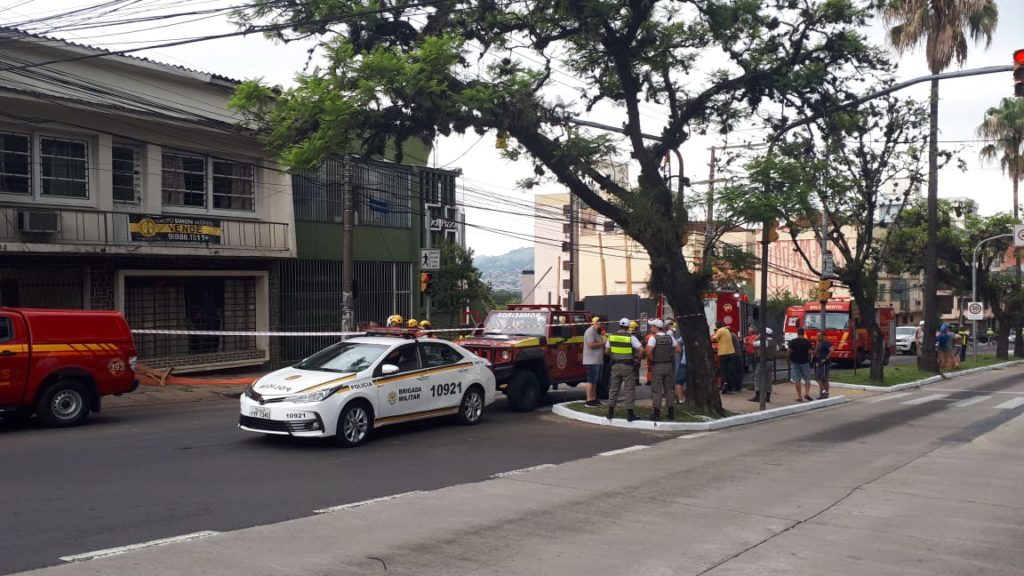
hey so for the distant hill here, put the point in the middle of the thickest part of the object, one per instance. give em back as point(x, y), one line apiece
point(505, 271)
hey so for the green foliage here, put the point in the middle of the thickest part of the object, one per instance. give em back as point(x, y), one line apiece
point(502, 298)
point(779, 300)
point(457, 284)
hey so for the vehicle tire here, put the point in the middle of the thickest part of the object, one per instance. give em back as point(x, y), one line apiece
point(354, 425)
point(471, 409)
point(64, 403)
point(523, 391)
point(913, 349)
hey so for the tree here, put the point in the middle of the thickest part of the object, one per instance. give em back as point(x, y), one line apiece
point(437, 67)
point(845, 173)
point(458, 284)
point(943, 26)
point(779, 301)
point(956, 244)
point(1004, 126)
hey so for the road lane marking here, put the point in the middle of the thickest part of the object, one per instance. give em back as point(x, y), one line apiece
point(976, 390)
point(697, 435)
point(924, 399)
point(970, 401)
point(133, 547)
point(1011, 404)
point(521, 471)
point(623, 450)
point(365, 502)
point(885, 397)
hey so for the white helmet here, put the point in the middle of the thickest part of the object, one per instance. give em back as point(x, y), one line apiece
point(769, 331)
point(624, 322)
point(657, 323)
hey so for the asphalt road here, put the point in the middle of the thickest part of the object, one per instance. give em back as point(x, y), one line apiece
point(136, 474)
point(918, 482)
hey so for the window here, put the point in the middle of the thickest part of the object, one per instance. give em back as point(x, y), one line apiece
point(343, 357)
point(184, 180)
point(125, 162)
point(405, 357)
point(436, 354)
point(6, 333)
point(64, 168)
point(233, 185)
point(15, 171)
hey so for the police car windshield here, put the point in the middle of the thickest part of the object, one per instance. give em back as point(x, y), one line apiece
point(343, 357)
point(517, 322)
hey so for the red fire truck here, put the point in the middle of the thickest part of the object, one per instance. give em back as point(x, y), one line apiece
point(844, 328)
point(729, 308)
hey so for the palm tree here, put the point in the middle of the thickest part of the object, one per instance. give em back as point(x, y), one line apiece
point(1004, 126)
point(943, 27)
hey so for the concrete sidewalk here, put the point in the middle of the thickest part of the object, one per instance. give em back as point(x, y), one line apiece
point(148, 395)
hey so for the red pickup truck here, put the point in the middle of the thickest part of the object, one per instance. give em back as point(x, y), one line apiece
point(59, 363)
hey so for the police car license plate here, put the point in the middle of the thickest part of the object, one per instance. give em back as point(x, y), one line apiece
point(259, 412)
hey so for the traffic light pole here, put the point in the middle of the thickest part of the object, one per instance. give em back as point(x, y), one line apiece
point(974, 286)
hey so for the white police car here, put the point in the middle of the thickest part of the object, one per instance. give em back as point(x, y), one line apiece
point(348, 389)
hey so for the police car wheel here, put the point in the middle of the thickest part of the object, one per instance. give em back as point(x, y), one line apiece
point(471, 409)
point(64, 403)
point(354, 425)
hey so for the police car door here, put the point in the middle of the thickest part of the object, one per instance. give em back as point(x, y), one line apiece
point(402, 392)
point(447, 379)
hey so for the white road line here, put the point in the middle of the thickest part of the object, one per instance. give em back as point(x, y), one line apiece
point(970, 401)
point(133, 547)
point(976, 390)
point(365, 502)
point(924, 399)
point(1011, 404)
point(697, 435)
point(623, 450)
point(521, 471)
point(885, 397)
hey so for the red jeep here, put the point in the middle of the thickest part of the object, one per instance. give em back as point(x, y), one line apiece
point(532, 348)
point(59, 363)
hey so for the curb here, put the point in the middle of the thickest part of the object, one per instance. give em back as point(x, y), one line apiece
point(925, 381)
point(564, 411)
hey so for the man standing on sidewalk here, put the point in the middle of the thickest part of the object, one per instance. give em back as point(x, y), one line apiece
point(661, 351)
point(823, 357)
point(727, 356)
point(800, 365)
point(622, 347)
point(593, 359)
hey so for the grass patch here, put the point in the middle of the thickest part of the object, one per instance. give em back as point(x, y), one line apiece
point(684, 412)
point(906, 373)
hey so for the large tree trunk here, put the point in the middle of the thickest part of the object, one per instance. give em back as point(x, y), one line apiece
point(1003, 326)
point(927, 359)
point(670, 276)
point(867, 314)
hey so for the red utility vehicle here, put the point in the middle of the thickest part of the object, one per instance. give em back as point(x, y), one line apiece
point(59, 363)
point(844, 328)
point(730, 308)
point(532, 348)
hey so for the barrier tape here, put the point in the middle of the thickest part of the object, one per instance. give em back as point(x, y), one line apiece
point(156, 331)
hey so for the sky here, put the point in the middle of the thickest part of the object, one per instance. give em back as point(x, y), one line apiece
point(962, 108)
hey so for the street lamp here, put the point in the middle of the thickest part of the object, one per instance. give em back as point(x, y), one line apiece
point(974, 285)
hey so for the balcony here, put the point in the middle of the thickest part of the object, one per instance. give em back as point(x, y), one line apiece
point(34, 228)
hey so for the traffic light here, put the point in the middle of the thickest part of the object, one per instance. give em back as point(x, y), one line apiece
point(1018, 73)
point(425, 279)
point(773, 231)
point(824, 290)
point(501, 140)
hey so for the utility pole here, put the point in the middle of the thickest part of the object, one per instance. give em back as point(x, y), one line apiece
point(823, 279)
point(709, 230)
point(348, 229)
point(573, 251)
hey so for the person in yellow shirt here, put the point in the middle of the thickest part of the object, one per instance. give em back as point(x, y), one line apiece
point(728, 358)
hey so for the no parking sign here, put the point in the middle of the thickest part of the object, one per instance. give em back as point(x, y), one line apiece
point(975, 311)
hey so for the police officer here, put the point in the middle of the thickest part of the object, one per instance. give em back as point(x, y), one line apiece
point(661, 354)
point(622, 347)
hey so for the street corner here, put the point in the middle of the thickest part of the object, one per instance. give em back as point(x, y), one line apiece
point(173, 393)
point(571, 410)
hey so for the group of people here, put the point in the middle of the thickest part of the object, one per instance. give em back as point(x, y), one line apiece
point(809, 362)
point(950, 343)
point(422, 327)
point(663, 349)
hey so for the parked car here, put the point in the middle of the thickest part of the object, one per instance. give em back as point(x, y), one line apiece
point(59, 363)
point(905, 343)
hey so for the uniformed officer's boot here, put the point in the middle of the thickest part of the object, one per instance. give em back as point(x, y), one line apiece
point(656, 414)
point(630, 416)
point(768, 397)
point(611, 412)
point(671, 413)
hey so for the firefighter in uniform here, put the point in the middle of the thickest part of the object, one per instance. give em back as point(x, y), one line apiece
point(622, 347)
point(661, 355)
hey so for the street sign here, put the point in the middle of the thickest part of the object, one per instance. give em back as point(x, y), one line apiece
point(1018, 235)
point(975, 311)
point(430, 259)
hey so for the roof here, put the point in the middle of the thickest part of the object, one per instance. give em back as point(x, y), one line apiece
point(171, 68)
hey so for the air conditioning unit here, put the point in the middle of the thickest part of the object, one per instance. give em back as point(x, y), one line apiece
point(38, 221)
